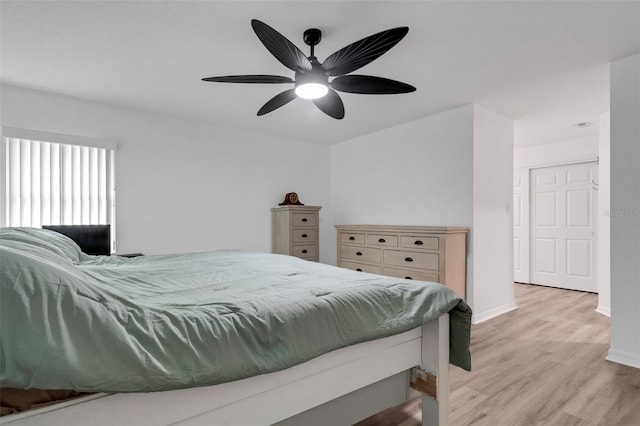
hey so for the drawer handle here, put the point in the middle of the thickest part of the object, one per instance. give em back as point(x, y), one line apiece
point(408, 278)
point(304, 235)
point(408, 259)
point(358, 269)
point(382, 240)
point(352, 238)
point(418, 243)
point(304, 219)
point(304, 251)
point(358, 253)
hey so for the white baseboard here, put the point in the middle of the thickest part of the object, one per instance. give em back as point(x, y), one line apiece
point(625, 358)
point(603, 310)
point(477, 318)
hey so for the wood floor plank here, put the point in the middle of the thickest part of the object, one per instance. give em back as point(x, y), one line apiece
point(542, 364)
point(467, 400)
point(625, 410)
point(565, 419)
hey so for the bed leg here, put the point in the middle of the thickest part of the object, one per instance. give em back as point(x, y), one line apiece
point(435, 334)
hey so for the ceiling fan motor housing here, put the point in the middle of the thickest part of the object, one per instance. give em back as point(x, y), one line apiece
point(312, 36)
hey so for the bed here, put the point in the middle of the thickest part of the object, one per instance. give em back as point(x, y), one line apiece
point(226, 337)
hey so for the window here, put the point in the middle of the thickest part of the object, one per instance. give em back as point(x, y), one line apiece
point(53, 179)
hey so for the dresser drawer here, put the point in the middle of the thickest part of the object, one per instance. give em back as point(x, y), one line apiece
point(412, 259)
point(382, 240)
point(349, 238)
point(309, 220)
point(361, 267)
point(304, 235)
point(428, 243)
point(305, 250)
point(364, 254)
point(411, 275)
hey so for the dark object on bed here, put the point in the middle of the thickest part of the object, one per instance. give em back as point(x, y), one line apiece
point(14, 400)
point(92, 239)
point(130, 255)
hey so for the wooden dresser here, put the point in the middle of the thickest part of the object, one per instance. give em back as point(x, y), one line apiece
point(427, 253)
point(294, 231)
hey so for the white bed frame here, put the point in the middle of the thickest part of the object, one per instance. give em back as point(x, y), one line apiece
point(341, 387)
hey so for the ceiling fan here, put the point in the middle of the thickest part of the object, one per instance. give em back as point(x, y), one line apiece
point(312, 77)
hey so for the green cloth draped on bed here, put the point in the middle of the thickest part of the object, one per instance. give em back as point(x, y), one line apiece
point(100, 323)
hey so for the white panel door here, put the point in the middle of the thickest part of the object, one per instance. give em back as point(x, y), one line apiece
point(521, 226)
point(564, 226)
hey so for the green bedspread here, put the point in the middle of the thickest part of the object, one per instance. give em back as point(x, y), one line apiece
point(99, 323)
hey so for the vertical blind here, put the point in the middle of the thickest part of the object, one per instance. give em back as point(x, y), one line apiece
point(58, 184)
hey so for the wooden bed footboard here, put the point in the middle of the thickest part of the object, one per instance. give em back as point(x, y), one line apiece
point(341, 387)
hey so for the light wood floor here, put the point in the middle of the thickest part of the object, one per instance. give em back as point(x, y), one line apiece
point(542, 364)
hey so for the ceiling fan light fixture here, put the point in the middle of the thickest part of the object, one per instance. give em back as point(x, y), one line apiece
point(313, 84)
point(311, 90)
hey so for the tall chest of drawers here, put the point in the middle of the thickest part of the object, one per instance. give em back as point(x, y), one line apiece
point(294, 231)
point(427, 253)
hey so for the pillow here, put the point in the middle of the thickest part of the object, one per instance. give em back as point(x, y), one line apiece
point(51, 241)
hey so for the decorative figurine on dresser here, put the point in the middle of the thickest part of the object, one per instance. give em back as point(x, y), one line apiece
point(294, 228)
point(427, 253)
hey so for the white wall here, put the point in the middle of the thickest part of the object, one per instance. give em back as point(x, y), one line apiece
point(184, 185)
point(625, 211)
point(429, 172)
point(604, 221)
point(492, 239)
point(573, 151)
point(415, 173)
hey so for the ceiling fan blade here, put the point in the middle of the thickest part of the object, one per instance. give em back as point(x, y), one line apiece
point(362, 52)
point(258, 78)
point(331, 104)
point(277, 101)
point(284, 51)
point(369, 85)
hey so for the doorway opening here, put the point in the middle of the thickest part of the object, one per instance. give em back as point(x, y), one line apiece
point(556, 226)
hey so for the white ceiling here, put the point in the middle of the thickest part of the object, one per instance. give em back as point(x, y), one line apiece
point(541, 63)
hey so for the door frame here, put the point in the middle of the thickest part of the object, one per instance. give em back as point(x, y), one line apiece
point(525, 274)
